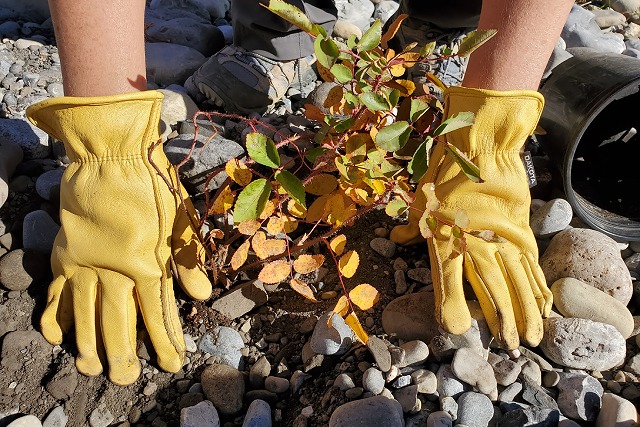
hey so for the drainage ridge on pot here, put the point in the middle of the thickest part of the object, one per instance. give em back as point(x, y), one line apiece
point(592, 127)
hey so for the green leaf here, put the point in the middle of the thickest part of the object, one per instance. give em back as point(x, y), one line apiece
point(468, 168)
point(374, 101)
point(344, 125)
point(474, 40)
point(459, 121)
point(263, 150)
point(326, 51)
point(351, 41)
point(293, 15)
point(396, 207)
point(420, 161)
point(342, 73)
point(292, 186)
point(252, 200)
point(352, 100)
point(418, 108)
point(394, 136)
point(312, 154)
point(319, 30)
point(427, 49)
point(371, 38)
point(394, 96)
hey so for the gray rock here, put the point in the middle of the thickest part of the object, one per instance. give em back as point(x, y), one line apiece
point(411, 317)
point(536, 395)
point(186, 31)
point(48, 184)
point(241, 299)
point(259, 371)
point(449, 405)
point(407, 397)
point(203, 414)
point(28, 10)
point(425, 380)
point(580, 396)
point(276, 384)
point(344, 382)
point(19, 269)
point(335, 340)
point(401, 381)
point(224, 387)
point(357, 12)
point(474, 410)
point(55, 89)
point(616, 411)
point(551, 218)
point(400, 281)
point(558, 56)
point(258, 414)
point(385, 10)
point(608, 17)
point(582, 344)
point(631, 7)
point(26, 421)
point(10, 157)
point(208, 155)
point(64, 383)
point(471, 368)
point(372, 411)
point(420, 275)
point(573, 298)
point(509, 393)
point(33, 141)
point(445, 344)
point(56, 418)
point(384, 247)
point(177, 105)
point(529, 417)
point(380, 352)
point(591, 257)
point(225, 344)
point(415, 353)
point(541, 361)
point(532, 370)
point(373, 380)
point(39, 231)
point(581, 30)
point(506, 371)
point(101, 416)
point(439, 419)
point(448, 384)
point(169, 63)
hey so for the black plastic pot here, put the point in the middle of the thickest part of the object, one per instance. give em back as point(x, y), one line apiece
point(591, 115)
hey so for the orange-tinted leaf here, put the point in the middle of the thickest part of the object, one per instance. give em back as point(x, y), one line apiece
point(264, 248)
point(275, 225)
point(364, 296)
point(303, 289)
point(222, 203)
point(324, 72)
point(316, 210)
point(338, 243)
point(249, 227)
point(334, 97)
point(321, 184)
point(392, 30)
point(238, 172)
point(313, 113)
point(354, 324)
point(275, 272)
point(216, 233)
point(308, 263)
point(348, 263)
point(240, 256)
point(341, 309)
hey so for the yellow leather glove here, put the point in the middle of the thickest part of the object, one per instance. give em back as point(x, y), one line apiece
point(506, 277)
point(121, 227)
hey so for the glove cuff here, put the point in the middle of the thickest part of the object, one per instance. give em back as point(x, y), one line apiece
point(101, 128)
point(503, 119)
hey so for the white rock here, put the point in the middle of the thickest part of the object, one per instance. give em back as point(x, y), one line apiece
point(101, 416)
point(385, 10)
point(616, 412)
point(574, 298)
point(581, 30)
point(373, 380)
point(471, 368)
point(372, 411)
point(258, 414)
point(335, 340)
point(626, 6)
point(345, 29)
point(608, 17)
point(582, 344)
point(26, 421)
point(357, 12)
point(474, 410)
point(56, 418)
point(551, 218)
point(203, 414)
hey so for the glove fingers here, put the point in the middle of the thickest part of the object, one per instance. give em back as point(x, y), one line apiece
point(57, 317)
point(526, 311)
point(118, 315)
point(544, 297)
point(452, 311)
point(491, 289)
point(189, 256)
point(410, 233)
point(84, 285)
point(160, 314)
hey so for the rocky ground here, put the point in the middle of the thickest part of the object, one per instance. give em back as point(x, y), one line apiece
point(259, 356)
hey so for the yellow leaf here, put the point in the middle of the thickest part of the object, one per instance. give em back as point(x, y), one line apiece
point(338, 243)
point(222, 203)
point(308, 263)
point(240, 256)
point(264, 248)
point(269, 209)
point(397, 70)
point(341, 309)
point(321, 184)
point(364, 296)
point(296, 209)
point(290, 223)
point(275, 272)
point(356, 327)
point(316, 210)
point(275, 225)
point(303, 289)
point(348, 264)
point(249, 227)
point(334, 97)
point(410, 57)
point(357, 146)
point(339, 209)
point(238, 172)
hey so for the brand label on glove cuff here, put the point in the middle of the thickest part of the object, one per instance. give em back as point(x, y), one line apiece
point(527, 159)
